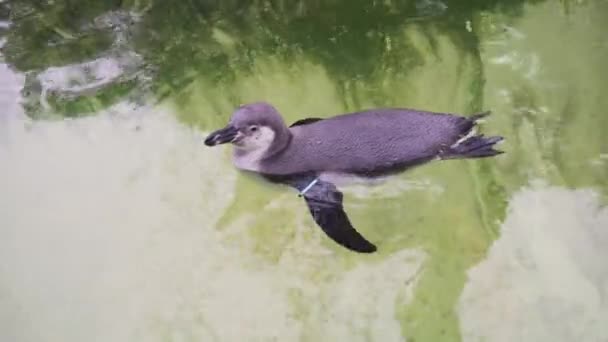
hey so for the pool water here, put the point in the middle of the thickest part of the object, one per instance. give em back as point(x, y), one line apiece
point(118, 224)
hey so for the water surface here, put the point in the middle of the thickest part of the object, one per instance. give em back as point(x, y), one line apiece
point(118, 224)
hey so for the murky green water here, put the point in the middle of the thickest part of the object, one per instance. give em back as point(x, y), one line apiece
point(119, 225)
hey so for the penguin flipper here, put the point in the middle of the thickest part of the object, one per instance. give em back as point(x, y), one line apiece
point(324, 202)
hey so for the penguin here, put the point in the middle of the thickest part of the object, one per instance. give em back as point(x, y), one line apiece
point(312, 155)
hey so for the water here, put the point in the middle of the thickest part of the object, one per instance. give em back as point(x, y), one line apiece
point(118, 224)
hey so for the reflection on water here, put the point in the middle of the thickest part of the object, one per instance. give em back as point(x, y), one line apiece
point(121, 226)
point(120, 243)
point(545, 279)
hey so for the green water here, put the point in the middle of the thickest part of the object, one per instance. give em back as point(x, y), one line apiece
point(539, 66)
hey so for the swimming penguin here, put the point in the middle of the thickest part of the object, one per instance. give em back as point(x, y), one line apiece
point(311, 153)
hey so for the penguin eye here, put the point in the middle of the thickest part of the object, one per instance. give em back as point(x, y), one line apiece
point(253, 128)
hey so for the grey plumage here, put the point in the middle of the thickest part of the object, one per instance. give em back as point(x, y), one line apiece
point(369, 143)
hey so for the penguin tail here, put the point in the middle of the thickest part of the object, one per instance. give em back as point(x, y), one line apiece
point(477, 146)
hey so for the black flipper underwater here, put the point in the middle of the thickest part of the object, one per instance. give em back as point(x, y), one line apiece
point(324, 202)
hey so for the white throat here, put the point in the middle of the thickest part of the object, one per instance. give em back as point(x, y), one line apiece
point(252, 149)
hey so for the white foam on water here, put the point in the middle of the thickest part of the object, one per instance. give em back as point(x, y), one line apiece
point(90, 76)
point(74, 78)
point(91, 214)
point(10, 96)
point(546, 277)
point(378, 289)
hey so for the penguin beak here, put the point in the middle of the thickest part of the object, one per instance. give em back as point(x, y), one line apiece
point(222, 136)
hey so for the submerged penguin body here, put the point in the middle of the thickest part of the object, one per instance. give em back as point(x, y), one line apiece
point(311, 153)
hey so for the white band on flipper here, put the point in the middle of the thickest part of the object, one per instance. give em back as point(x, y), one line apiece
point(308, 186)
